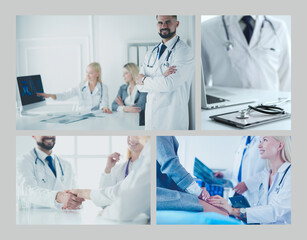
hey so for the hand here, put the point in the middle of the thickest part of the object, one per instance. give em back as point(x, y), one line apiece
point(102, 211)
point(220, 202)
point(106, 110)
point(81, 193)
point(218, 174)
point(112, 160)
point(46, 95)
point(240, 188)
point(132, 109)
point(119, 101)
point(204, 195)
point(169, 71)
point(139, 79)
point(69, 200)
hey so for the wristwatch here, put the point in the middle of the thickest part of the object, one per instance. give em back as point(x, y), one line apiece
point(242, 213)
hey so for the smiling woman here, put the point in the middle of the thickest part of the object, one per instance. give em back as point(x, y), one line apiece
point(274, 186)
point(114, 174)
point(93, 94)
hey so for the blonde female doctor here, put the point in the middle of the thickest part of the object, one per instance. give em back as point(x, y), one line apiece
point(274, 205)
point(92, 93)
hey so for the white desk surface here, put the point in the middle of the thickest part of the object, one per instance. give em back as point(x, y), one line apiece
point(262, 96)
point(114, 121)
point(88, 215)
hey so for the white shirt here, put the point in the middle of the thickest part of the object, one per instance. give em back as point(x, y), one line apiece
point(37, 181)
point(264, 63)
point(109, 186)
point(89, 101)
point(274, 206)
point(133, 203)
point(129, 99)
point(168, 97)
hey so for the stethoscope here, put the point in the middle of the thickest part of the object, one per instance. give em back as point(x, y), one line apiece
point(229, 44)
point(268, 108)
point(156, 48)
point(95, 108)
point(56, 157)
point(277, 189)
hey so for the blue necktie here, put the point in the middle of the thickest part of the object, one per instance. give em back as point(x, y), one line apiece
point(248, 140)
point(162, 49)
point(50, 164)
point(248, 31)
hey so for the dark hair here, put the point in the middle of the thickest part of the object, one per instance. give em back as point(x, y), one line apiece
point(173, 16)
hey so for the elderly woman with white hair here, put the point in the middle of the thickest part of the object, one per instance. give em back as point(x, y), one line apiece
point(274, 203)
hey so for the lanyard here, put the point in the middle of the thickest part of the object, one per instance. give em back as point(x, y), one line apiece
point(127, 168)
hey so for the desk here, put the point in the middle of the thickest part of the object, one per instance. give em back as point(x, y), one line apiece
point(89, 214)
point(114, 121)
point(262, 96)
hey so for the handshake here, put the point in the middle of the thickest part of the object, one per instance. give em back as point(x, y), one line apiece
point(72, 199)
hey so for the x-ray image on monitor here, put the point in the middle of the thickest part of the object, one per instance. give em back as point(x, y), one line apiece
point(29, 86)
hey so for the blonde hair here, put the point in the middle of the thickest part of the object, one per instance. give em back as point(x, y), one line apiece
point(286, 151)
point(143, 141)
point(133, 69)
point(97, 68)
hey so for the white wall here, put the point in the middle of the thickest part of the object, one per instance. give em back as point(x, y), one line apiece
point(60, 47)
point(217, 152)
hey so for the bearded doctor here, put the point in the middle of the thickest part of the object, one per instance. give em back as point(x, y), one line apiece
point(166, 75)
point(246, 52)
point(43, 177)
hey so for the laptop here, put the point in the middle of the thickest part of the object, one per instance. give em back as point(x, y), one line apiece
point(214, 97)
point(28, 87)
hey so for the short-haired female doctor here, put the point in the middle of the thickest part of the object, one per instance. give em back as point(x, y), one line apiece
point(274, 203)
point(92, 93)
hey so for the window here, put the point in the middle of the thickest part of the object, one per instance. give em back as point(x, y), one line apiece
point(88, 155)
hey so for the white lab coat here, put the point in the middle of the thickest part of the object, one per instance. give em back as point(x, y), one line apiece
point(274, 207)
point(37, 181)
point(109, 186)
point(252, 165)
point(247, 66)
point(88, 101)
point(168, 97)
point(133, 203)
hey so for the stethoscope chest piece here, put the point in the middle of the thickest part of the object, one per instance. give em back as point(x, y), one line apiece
point(243, 114)
point(229, 46)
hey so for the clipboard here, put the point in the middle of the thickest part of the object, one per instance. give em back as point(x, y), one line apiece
point(254, 119)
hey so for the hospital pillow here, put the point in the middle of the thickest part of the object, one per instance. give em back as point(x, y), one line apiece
point(197, 218)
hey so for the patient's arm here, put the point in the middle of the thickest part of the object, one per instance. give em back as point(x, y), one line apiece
point(210, 208)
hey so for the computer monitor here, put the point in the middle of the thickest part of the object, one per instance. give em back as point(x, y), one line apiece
point(28, 87)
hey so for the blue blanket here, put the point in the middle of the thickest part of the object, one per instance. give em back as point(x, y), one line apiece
point(197, 218)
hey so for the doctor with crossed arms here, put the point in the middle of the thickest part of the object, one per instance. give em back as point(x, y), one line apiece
point(44, 177)
point(166, 75)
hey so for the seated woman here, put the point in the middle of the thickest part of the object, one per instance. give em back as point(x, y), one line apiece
point(92, 93)
point(128, 98)
point(113, 176)
point(274, 204)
